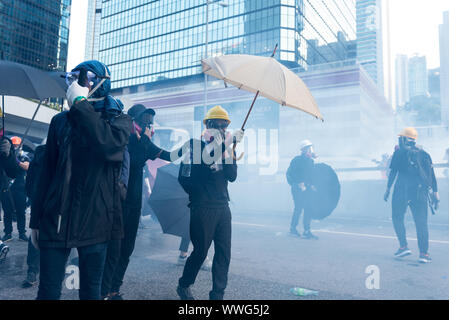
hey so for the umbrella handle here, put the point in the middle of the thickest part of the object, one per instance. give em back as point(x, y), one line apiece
point(233, 153)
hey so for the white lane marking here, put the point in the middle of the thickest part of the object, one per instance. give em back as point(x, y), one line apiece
point(366, 235)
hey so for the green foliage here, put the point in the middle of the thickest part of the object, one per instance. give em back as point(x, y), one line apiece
point(421, 111)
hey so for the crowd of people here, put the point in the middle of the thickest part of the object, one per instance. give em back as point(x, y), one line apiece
point(85, 188)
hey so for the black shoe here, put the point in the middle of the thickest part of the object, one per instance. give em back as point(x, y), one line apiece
point(215, 296)
point(309, 235)
point(184, 293)
point(114, 296)
point(4, 249)
point(7, 237)
point(23, 237)
point(30, 281)
point(402, 252)
point(294, 233)
point(424, 258)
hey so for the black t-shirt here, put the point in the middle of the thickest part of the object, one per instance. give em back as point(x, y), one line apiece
point(300, 171)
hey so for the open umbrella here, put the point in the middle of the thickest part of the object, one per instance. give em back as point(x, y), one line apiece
point(323, 200)
point(169, 202)
point(27, 82)
point(263, 76)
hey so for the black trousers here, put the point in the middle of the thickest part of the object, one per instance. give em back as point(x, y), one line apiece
point(207, 225)
point(119, 252)
point(299, 201)
point(418, 206)
point(14, 202)
point(91, 266)
point(33, 258)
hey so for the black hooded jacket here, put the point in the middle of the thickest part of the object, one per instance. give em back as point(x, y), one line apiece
point(78, 199)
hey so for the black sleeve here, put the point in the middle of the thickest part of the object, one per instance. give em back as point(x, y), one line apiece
point(394, 167)
point(190, 175)
point(10, 164)
point(45, 176)
point(433, 179)
point(109, 138)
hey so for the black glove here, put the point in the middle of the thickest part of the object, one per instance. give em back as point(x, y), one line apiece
point(5, 148)
point(387, 195)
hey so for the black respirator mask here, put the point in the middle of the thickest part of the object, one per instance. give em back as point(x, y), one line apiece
point(406, 142)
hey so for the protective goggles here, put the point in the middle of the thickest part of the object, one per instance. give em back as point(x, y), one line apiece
point(218, 124)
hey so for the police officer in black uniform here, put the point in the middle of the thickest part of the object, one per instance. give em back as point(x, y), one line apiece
point(415, 177)
point(299, 178)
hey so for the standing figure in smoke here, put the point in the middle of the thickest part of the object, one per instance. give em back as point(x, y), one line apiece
point(299, 177)
point(415, 178)
point(77, 204)
point(204, 175)
point(141, 149)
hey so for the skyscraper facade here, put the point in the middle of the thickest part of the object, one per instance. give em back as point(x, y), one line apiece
point(418, 81)
point(144, 41)
point(402, 94)
point(444, 68)
point(370, 40)
point(35, 33)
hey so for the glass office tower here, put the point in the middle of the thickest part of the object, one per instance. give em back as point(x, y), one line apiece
point(144, 41)
point(35, 33)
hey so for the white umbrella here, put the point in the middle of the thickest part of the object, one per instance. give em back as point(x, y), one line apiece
point(264, 76)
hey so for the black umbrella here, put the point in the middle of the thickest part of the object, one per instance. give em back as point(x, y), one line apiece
point(169, 202)
point(323, 200)
point(27, 82)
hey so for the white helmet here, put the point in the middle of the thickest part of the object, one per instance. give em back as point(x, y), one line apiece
point(305, 144)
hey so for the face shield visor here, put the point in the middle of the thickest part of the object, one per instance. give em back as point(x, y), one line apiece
point(406, 142)
point(93, 80)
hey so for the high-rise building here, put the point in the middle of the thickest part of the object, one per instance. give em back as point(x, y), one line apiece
point(402, 93)
point(93, 29)
point(145, 41)
point(418, 81)
point(434, 84)
point(370, 40)
point(35, 33)
point(342, 50)
point(444, 68)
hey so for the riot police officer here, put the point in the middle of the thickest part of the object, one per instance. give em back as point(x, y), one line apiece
point(415, 178)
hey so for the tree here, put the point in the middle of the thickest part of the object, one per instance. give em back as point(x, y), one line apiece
point(421, 111)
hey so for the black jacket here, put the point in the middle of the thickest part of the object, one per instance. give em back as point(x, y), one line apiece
point(205, 186)
point(300, 171)
point(78, 199)
point(33, 171)
point(9, 168)
point(140, 151)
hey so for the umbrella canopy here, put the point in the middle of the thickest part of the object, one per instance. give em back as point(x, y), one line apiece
point(169, 202)
point(264, 76)
point(323, 201)
point(27, 82)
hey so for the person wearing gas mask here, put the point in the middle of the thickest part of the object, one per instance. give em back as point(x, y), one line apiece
point(412, 169)
point(14, 197)
point(77, 204)
point(141, 149)
point(204, 175)
point(299, 177)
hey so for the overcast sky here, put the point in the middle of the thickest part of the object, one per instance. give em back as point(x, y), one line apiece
point(414, 29)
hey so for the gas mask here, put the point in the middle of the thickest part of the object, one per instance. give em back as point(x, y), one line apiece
point(145, 121)
point(218, 124)
point(309, 152)
point(406, 142)
point(94, 82)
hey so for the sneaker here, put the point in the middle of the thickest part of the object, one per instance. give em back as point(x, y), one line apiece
point(207, 264)
point(4, 249)
point(181, 260)
point(184, 293)
point(114, 296)
point(309, 235)
point(294, 233)
point(403, 252)
point(30, 281)
point(424, 258)
point(7, 237)
point(23, 237)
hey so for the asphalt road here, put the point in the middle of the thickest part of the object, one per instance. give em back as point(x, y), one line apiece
point(267, 262)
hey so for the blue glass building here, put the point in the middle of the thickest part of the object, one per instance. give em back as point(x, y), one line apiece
point(144, 41)
point(35, 33)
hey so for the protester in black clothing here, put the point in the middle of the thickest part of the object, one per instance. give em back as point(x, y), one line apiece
point(14, 197)
point(204, 175)
point(77, 204)
point(9, 168)
point(141, 149)
point(415, 177)
point(299, 177)
point(31, 186)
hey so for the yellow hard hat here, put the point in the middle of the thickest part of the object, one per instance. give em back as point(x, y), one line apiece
point(217, 112)
point(409, 133)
